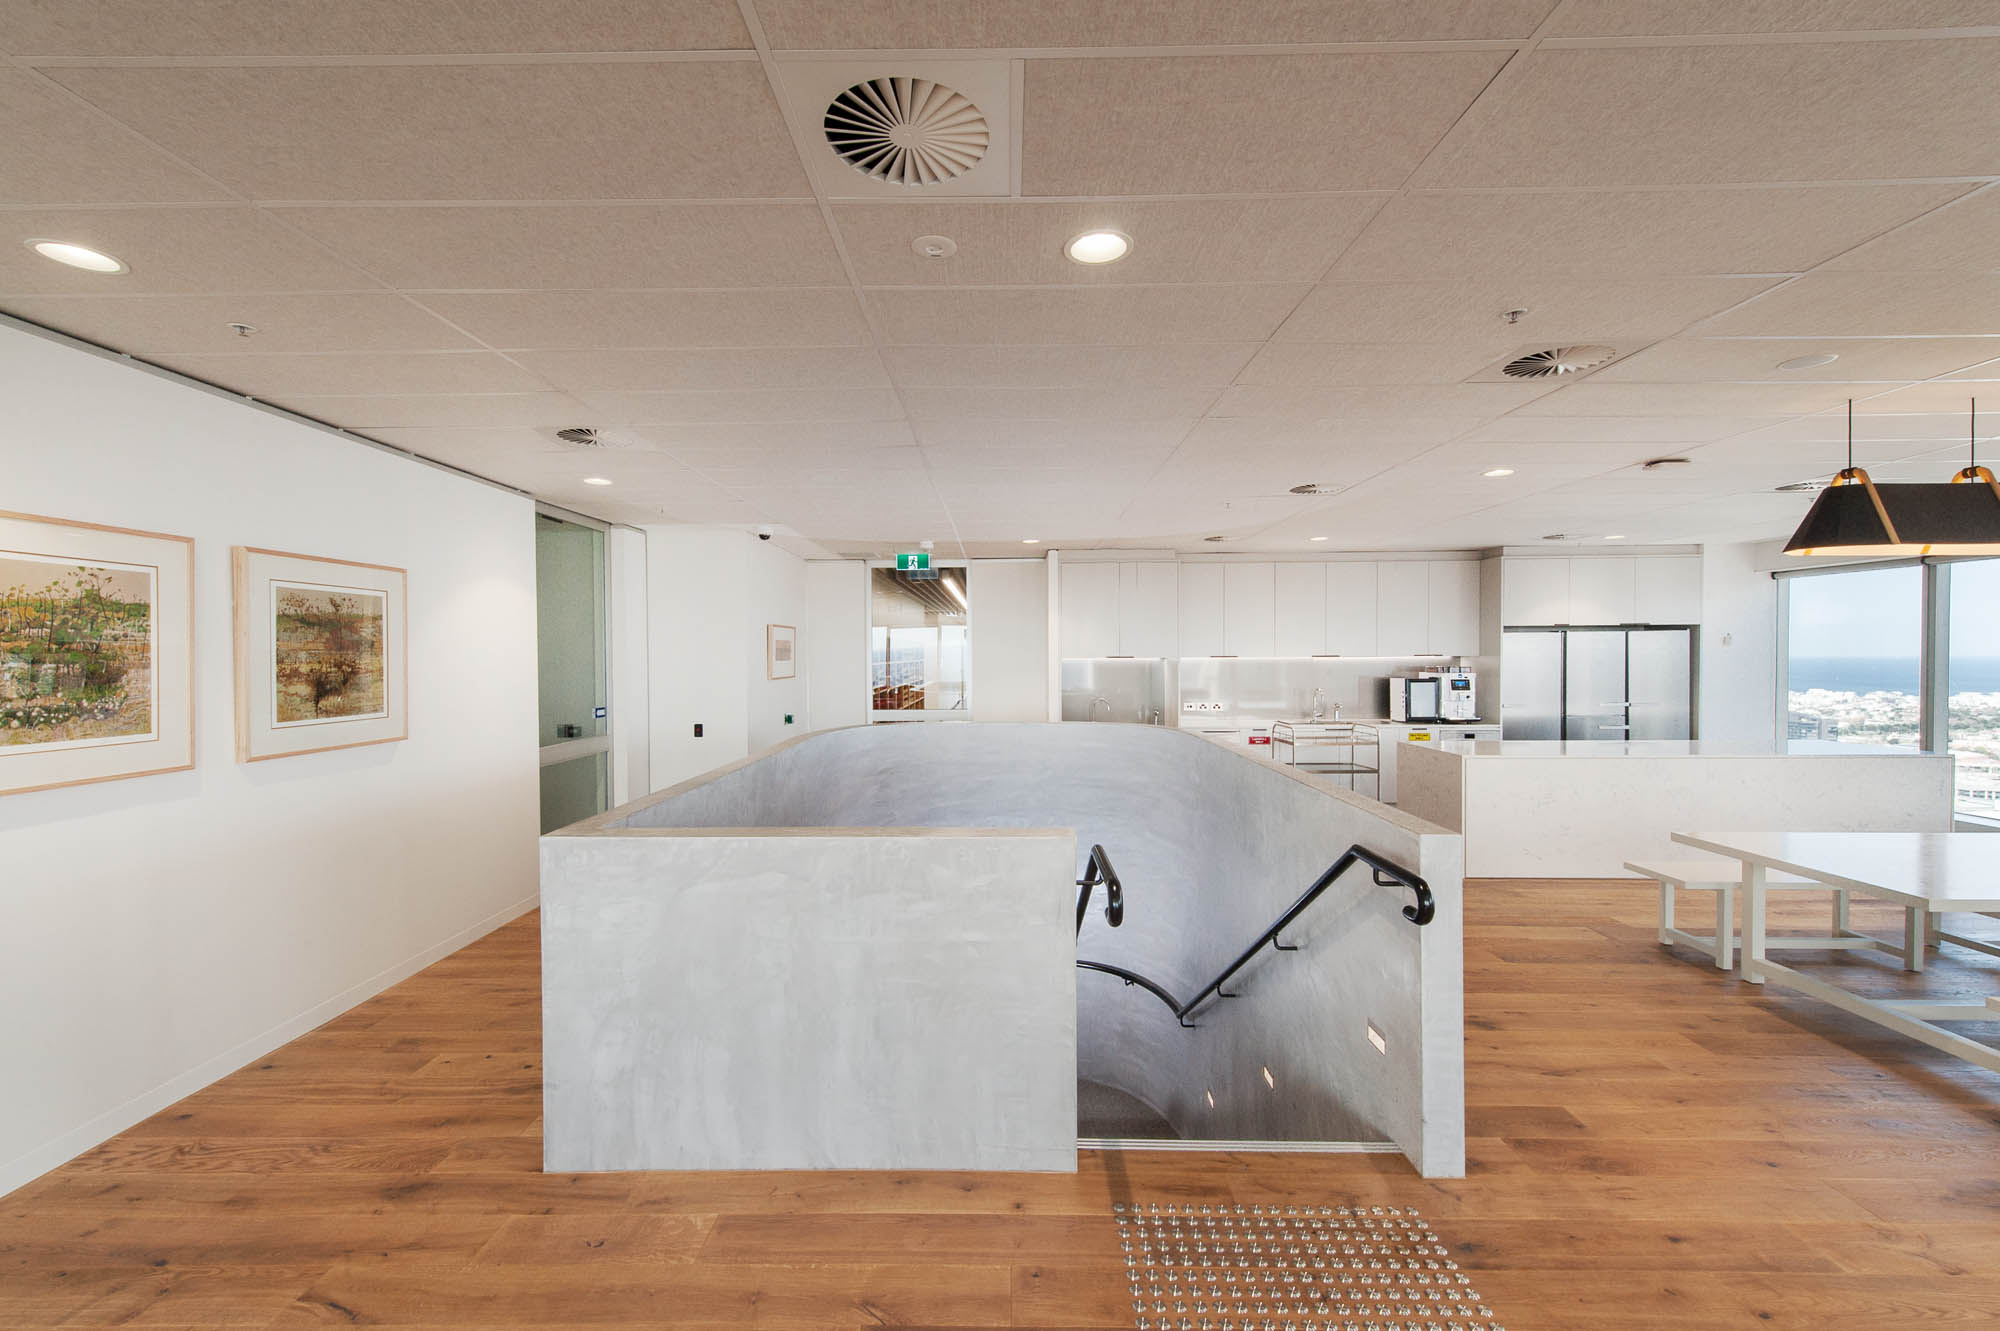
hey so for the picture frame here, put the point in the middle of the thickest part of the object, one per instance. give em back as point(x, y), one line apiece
point(96, 653)
point(322, 660)
point(781, 651)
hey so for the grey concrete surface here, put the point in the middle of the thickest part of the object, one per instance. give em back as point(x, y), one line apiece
point(1211, 847)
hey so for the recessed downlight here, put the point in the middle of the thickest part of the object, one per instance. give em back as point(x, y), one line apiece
point(1031, 540)
point(1098, 247)
point(1614, 538)
point(1812, 362)
point(1497, 471)
point(78, 256)
point(596, 480)
point(1316, 538)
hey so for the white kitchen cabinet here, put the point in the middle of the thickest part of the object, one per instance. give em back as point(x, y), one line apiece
point(1534, 591)
point(1088, 614)
point(1301, 609)
point(1200, 599)
point(1600, 591)
point(1667, 590)
point(1148, 609)
point(1351, 609)
point(1403, 608)
point(1249, 610)
point(1452, 616)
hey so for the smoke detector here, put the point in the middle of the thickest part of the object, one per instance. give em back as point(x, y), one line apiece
point(910, 131)
point(1555, 362)
point(1664, 464)
point(1317, 488)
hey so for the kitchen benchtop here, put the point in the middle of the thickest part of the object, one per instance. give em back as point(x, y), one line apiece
point(1665, 748)
point(1223, 721)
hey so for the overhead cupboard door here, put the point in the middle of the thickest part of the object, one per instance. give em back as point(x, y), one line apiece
point(1089, 609)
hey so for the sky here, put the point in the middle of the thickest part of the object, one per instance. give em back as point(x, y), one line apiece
point(1879, 612)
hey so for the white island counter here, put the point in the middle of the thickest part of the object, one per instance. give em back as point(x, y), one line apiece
point(1580, 809)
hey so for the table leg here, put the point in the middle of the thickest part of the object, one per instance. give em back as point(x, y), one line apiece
point(1753, 923)
point(1666, 910)
point(1916, 926)
point(1725, 928)
point(1839, 912)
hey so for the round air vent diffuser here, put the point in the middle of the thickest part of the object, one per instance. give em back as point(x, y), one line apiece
point(1317, 488)
point(907, 131)
point(1803, 487)
point(1557, 361)
point(583, 436)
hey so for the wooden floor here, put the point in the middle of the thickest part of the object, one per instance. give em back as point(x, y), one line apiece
point(1654, 1145)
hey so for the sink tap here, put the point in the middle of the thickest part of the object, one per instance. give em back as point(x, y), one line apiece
point(1100, 698)
point(1319, 705)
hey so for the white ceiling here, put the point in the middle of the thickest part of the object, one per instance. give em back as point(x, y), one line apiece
point(460, 228)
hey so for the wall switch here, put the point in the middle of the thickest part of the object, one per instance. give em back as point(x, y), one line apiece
point(697, 730)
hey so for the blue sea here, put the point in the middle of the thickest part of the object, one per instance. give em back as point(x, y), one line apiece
point(1889, 674)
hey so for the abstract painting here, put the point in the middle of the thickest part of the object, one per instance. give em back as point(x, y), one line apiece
point(319, 654)
point(94, 668)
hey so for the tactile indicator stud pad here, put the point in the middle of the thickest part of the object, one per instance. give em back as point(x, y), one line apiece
point(1224, 1266)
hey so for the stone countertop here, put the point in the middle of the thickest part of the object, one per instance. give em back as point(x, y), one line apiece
point(1666, 748)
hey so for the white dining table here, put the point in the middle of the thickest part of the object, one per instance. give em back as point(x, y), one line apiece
point(1927, 873)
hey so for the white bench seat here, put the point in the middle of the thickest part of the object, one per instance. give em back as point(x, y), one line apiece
point(1723, 877)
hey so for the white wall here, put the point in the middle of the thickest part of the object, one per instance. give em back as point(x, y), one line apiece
point(710, 593)
point(833, 642)
point(1010, 640)
point(162, 931)
point(1739, 644)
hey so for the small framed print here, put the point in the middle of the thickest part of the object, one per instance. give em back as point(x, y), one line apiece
point(96, 653)
point(780, 651)
point(321, 661)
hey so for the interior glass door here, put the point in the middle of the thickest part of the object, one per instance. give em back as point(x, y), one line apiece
point(571, 639)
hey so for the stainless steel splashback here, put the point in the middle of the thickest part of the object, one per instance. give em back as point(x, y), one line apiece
point(1117, 689)
point(1283, 686)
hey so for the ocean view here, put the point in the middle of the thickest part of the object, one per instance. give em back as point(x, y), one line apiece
point(1888, 674)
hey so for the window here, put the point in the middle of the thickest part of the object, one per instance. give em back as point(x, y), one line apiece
point(1854, 642)
point(919, 661)
point(1972, 685)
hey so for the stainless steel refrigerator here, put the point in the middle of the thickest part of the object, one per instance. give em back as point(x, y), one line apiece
point(1600, 683)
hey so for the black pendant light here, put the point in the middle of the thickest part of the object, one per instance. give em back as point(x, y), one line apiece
point(1958, 517)
point(1849, 517)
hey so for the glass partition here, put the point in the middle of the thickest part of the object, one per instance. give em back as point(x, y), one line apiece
point(1854, 656)
point(919, 660)
point(1972, 686)
point(571, 623)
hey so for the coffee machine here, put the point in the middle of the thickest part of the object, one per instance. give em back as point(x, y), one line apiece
point(1458, 700)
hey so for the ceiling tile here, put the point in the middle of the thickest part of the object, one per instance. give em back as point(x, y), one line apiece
point(700, 443)
point(1212, 364)
point(172, 250)
point(1520, 428)
point(144, 325)
point(1732, 113)
point(1870, 305)
point(367, 27)
point(1627, 233)
point(1984, 370)
point(1669, 18)
point(923, 25)
point(1964, 236)
point(565, 320)
point(1181, 240)
point(1129, 315)
point(571, 248)
point(359, 373)
point(57, 152)
point(1241, 124)
point(760, 405)
point(1947, 396)
point(1351, 365)
point(366, 132)
point(1590, 399)
point(1468, 313)
point(1471, 400)
point(659, 370)
point(1050, 442)
point(1064, 404)
point(1756, 360)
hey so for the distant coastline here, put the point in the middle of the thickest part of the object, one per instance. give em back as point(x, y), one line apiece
point(1887, 674)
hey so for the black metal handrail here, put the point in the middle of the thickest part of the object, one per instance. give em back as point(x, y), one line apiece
point(1386, 873)
point(1099, 870)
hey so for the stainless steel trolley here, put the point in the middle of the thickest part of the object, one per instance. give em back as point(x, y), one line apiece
point(1338, 748)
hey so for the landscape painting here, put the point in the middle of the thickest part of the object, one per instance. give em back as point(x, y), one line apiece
point(328, 654)
point(77, 652)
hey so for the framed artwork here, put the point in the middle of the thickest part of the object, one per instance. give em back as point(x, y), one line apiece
point(320, 656)
point(96, 653)
point(780, 651)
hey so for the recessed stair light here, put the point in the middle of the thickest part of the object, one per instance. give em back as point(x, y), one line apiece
point(78, 256)
point(1809, 362)
point(596, 480)
point(1497, 471)
point(1095, 247)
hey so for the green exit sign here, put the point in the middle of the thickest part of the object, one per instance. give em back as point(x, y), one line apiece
point(918, 560)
